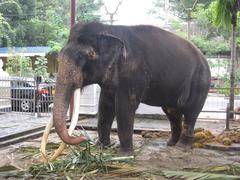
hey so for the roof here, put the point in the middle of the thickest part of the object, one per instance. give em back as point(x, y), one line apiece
point(24, 51)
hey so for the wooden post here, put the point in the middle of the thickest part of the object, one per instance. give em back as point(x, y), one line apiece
point(227, 118)
point(73, 12)
point(72, 22)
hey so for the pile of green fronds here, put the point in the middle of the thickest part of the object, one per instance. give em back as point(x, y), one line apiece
point(80, 161)
point(89, 161)
point(230, 172)
point(85, 158)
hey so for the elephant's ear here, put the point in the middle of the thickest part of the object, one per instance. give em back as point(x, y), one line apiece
point(111, 48)
point(112, 53)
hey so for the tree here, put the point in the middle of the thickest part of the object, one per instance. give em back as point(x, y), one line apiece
point(6, 32)
point(41, 67)
point(226, 15)
point(204, 19)
point(41, 22)
point(88, 10)
point(28, 9)
point(112, 14)
point(11, 11)
point(19, 66)
point(177, 8)
point(181, 8)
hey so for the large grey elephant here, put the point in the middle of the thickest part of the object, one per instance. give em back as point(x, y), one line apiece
point(132, 64)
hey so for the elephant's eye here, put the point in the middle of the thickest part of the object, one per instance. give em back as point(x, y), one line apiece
point(80, 56)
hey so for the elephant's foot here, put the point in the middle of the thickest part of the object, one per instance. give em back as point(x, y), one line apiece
point(172, 141)
point(125, 151)
point(116, 147)
point(185, 142)
point(104, 144)
point(126, 148)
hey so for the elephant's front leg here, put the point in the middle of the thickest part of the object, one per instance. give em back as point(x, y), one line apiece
point(126, 105)
point(106, 115)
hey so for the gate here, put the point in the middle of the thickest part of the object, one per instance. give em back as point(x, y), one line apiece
point(26, 95)
point(34, 96)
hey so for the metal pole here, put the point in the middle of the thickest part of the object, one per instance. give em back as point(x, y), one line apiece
point(227, 117)
point(166, 9)
point(189, 18)
point(72, 22)
point(73, 12)
point(233, 62)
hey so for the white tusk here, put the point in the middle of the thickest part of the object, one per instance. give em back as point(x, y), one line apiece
point(75, 114)
point(45, 138)
point(74, 120)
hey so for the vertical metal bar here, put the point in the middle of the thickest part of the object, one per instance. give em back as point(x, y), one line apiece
point(35, 107)
point(72, 20)
point(73, 12)
point(227, 117)
point(189, 19)
point(233, 66)
point(166, 9)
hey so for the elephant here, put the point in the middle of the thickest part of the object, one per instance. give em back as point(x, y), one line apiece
point(132, 65)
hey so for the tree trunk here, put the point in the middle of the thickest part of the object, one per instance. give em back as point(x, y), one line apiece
point(232, 75)
point(189, 18)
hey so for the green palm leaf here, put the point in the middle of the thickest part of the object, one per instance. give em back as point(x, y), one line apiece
point(223, 12)
point(198, 175)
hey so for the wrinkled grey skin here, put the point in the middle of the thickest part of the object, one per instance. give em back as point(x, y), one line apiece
point(132, 64)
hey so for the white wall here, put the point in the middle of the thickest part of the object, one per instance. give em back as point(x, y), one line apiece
point(90, 97)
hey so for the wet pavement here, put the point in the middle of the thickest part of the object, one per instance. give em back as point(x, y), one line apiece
point(12, 123)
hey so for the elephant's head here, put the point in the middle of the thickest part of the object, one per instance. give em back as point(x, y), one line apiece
point(88, 58)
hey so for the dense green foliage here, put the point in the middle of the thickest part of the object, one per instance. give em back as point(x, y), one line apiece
point(22, 66)
point(41, 67)
point(46, 23)
point(177, 8)
point(41, 22)
point(5, 31)
point(211, 39)
point(19, 66)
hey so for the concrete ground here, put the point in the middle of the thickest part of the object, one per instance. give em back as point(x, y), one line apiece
point(152, 154)
point(11, 123)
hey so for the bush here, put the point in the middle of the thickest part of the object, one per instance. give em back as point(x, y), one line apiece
point(19, 66)
point(210, 46)
point(41, 67)
point(22, 66)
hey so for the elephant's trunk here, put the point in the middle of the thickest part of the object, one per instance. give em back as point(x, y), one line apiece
point(64, 92)
point(59, 120)
point(49, 125)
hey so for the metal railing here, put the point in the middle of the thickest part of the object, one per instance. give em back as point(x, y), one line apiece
point(34, 96)
point(217, 103)
point(26, 95)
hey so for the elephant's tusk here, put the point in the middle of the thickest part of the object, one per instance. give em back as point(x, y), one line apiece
point(45, 139)
point(74, 120)
point(70, 130)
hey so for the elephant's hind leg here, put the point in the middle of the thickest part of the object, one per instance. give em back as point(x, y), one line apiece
point(187, 136)
point(175, 118)
point(191, 112)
